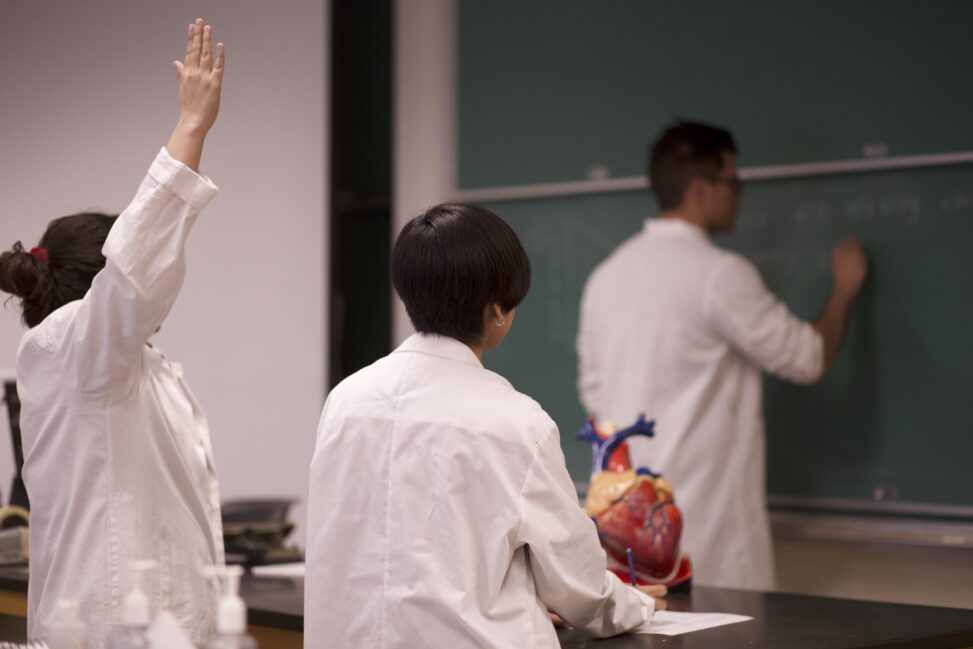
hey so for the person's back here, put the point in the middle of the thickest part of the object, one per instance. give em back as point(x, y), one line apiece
point(650, 294)
point(440, 510)
point(117, 457)
point(678, 329)
point(436, 503)
point(656, 295)
point(135, 480)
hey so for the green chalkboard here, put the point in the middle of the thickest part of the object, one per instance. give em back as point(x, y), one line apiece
point(564, 90)
point(893, 411)
point(558, 90)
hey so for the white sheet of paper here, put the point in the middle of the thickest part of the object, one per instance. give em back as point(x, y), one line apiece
point(279, 570)
point(677, 623)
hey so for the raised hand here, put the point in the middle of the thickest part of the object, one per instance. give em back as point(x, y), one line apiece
point(200, 77)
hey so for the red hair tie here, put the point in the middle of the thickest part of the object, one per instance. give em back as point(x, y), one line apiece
point(40, 254)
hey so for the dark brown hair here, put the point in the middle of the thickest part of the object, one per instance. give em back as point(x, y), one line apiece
point(683, 151)
point(73, 257)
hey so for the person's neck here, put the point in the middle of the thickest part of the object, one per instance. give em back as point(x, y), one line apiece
point(693, 218)
point(478, 350)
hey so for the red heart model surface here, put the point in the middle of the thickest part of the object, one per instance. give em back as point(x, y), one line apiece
point(650, 527)
point(634, 509)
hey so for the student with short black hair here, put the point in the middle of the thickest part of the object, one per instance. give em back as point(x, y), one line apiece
point(441, 513)
point(452, 262)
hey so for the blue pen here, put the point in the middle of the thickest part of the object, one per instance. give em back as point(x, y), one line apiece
point(631, 566)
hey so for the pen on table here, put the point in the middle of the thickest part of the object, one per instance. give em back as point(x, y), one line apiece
point(631, 566)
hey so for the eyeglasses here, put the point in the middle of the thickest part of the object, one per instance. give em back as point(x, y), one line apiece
point(733, 182)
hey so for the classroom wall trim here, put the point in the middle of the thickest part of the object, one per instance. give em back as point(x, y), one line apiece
point(870, 529)
point(870, 506)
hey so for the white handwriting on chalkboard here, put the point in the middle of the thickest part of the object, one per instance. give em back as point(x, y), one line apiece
point(956, 202)
point(778, 262)
point(813, 215)
point(899, 209)
point(753, 220)
point(905, 209)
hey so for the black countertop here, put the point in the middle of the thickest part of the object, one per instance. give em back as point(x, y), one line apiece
point(14, 579)
point(13, 628)
point(781, 621)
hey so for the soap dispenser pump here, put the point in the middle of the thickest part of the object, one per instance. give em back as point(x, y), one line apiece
point(136, 617)
point(231, 613)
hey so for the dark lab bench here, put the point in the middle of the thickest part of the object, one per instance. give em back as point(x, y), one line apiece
point(781, 621)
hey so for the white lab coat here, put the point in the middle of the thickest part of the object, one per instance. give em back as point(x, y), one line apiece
point(117, 457)
point(679, 329)
point(441, 514)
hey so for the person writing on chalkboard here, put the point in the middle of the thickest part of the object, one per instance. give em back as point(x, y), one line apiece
point(441, 513)
point(117, 456)
point(675, 327)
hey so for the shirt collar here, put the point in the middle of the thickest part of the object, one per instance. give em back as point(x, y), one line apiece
point(674, 227)
point(442, 346)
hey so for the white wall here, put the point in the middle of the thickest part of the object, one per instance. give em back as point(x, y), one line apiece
point(88, 97)
point(424, 155)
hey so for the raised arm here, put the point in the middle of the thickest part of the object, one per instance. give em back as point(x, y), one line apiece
point(761, 327)
point(144, 252)
point(741, 310)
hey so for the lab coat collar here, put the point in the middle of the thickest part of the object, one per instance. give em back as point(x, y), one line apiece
point(674, 227)
point(442, 346)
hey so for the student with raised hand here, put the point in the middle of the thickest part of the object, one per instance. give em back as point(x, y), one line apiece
point(117, 457)
point(441, 513)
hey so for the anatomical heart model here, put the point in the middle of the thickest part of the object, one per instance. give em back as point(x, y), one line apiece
point(634, 508)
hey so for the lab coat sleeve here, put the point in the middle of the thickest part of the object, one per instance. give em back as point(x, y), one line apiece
point(144, 270)
point(761, 327)
point(566, 558)
point(589, 371)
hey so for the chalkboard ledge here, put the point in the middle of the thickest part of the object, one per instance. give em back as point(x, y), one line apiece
point(807, 526)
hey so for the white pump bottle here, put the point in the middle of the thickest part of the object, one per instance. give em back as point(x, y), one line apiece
point(68, 630)
point(231, 613)
point(136, 612)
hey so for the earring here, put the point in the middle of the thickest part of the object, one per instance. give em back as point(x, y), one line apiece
point(499, 321)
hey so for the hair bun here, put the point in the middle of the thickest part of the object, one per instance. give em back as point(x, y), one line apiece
point(21, 274)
